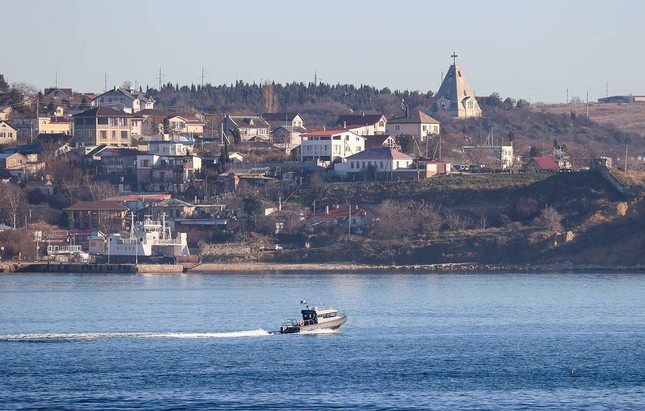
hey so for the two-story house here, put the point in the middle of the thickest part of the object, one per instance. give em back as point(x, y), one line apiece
point(55, 125)
point(286, 128)
point(102, 125)
point(124, 99)
point(363, 124)
point(185, 124)
point(327, 146)
point(245, 128)
point(415, 123)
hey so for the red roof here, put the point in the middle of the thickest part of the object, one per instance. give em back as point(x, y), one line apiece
point(546, 163)
point(331, 132)
point(97, 206)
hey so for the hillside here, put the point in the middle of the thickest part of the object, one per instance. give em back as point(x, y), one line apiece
point(519, 219)
point(629, 118)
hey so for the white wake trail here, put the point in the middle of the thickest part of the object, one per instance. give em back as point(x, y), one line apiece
point(98, 336)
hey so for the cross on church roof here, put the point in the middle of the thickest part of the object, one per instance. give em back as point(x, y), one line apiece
point(454, 58)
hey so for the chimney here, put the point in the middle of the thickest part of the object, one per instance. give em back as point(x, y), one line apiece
point(326, 209)
point(344, 124)
point(407, 111)
point(362, 113)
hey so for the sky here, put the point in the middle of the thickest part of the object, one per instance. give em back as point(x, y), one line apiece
point(541, 51)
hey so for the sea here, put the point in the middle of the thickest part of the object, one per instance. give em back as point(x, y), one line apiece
point(412, 341)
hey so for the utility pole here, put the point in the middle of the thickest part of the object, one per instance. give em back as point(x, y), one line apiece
point(202, 77)
point(349, 220)
point(587, 103)
point(567, 102)
point(105, 82)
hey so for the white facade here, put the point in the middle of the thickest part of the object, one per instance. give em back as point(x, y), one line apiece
point(328, 145)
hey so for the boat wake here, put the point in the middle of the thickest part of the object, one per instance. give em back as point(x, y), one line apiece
point(62, 337)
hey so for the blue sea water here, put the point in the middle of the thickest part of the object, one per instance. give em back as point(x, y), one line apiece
point(412, 341)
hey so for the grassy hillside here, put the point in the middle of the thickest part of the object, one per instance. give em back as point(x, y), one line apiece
point(598, 226)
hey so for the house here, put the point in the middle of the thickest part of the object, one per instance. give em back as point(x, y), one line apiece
point(185, 124)
point(455, 95)
point(151, 122)
point(12, 161)
point(542, 164)
point(124, 99)
point(363, 124)
point(138, 201)
point(166, 172)
point(276, 120)
point(245, 128)
point(117, 160)
point(108, 216)
point(8, 134)
point(55, 125)
point(415, 123)
point(374, 163)
point(287, 137)
point(327, 146)
point(338, 217)
point(5, 113)
point(56, 97)
point(178, 147)
point(20, 165)
point(501, 157)
point(102, 125)
point(380, 140)
point(171, 208)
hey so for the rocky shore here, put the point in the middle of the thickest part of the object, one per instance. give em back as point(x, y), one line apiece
point(223, 268)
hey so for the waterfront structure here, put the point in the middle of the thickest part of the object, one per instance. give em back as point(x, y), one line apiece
point(455, 95)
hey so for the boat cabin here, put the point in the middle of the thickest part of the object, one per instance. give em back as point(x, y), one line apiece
point(315, 315)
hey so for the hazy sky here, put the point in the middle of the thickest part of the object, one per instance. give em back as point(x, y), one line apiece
point(534, 50)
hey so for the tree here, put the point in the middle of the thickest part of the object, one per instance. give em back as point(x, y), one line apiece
point(406, 141)
point(549, 219)
point(101, 190)
point(13, 200)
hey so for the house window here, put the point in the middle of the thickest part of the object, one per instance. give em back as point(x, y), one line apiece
point(124, 135)
point(103, 134)
point(397, 127)
point(381, 165)
point(113, 134)
point(425, 128)
point(351, 164)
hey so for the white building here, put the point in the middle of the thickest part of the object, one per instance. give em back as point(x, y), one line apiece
point(415, 123)
point(123, 99)
point(374, 160)
point(326, 146)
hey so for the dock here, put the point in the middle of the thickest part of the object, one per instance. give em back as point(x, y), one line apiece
point(98, 268)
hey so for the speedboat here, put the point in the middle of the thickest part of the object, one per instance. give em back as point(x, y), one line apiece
point(313, 319)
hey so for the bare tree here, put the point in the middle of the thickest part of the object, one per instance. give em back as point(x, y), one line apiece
point(13, 199)
point(101, 190)
point(549, 219)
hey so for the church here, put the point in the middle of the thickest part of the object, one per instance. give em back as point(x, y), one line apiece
point(455, 95)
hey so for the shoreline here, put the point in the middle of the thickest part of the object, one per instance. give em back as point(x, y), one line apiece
point(258, 267)
point(251, 267)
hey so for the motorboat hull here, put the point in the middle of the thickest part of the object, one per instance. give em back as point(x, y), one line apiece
point(332, 324)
